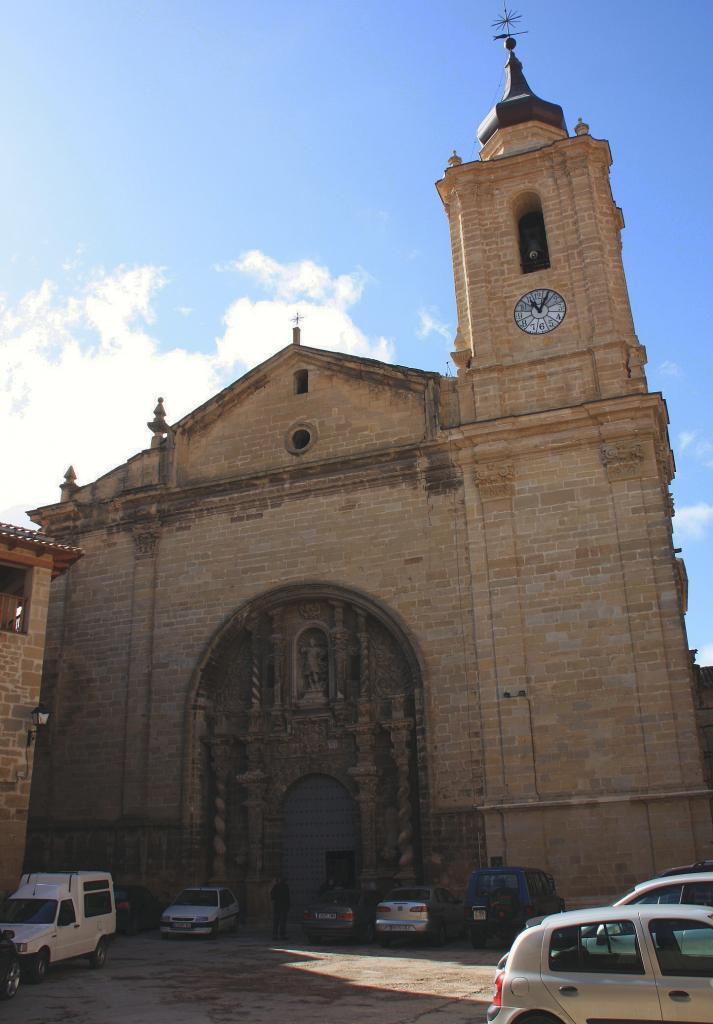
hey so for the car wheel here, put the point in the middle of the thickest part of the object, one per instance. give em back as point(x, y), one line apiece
point(38, 967)
point(478, 936)
point(384, 941)
point(213, 931)
point(98, 957)
point(11, 982)
point(165, 935)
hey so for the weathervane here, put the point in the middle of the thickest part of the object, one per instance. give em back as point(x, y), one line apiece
point(507, 22)
point(297, 319)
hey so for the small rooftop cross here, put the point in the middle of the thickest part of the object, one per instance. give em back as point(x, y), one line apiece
point(296, 320)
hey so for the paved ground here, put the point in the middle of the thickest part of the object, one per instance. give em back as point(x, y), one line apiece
point(248, 978)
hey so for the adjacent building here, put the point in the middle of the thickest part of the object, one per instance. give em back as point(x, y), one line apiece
point(28, 562)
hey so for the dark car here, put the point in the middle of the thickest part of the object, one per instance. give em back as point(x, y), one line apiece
point(500, 900)
point(136, 909)
point(341, 914)
point(9, 966)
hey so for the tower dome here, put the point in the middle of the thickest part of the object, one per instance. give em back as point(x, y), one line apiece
point(519, 103)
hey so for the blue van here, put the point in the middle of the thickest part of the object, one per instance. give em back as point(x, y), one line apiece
point(500, 900)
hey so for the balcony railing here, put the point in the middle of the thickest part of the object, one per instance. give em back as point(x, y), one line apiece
point(13, 613)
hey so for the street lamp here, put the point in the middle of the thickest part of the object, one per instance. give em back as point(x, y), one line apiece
point(39, 716)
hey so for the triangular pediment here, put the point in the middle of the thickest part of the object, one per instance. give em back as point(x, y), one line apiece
point(303, 405)
point(370, 371)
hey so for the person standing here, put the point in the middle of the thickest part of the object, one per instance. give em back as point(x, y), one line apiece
point(280, 896)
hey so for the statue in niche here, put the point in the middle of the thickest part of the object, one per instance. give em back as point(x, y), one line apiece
point(314, 665)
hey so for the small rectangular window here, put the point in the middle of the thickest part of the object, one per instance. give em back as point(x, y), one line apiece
point(606, 947)
point(97, 903)
point(683, 948)
point(663, 894)
point(699, 893)
point(66, 914)
point(301, 382)
point(100, 883)
point(14, 598)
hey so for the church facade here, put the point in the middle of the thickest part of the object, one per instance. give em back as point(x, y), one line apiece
point(360, 621)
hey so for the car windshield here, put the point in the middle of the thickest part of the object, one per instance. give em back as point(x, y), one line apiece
point(489, 881)
point(28, 911)
point(344, 896)
point(407, 895)
point(197, 898)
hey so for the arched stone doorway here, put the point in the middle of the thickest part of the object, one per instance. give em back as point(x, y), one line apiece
point(319, 837)
point(308, 680)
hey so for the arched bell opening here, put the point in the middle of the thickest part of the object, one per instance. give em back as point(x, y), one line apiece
point(531, 233)
point(308, 682)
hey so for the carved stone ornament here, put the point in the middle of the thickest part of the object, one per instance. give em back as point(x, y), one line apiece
point(311, 610)
point(145, 541)
point(495, 480)
point(313, 666)
point(622, 460)
point(313, 735)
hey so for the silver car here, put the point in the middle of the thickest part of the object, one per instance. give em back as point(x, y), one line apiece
point(695, 889)
point(202, 910)
point(625, 963)
point(420, 910)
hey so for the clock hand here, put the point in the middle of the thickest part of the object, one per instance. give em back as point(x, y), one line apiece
point(542, 303)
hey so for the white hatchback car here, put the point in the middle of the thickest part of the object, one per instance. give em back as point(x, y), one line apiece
point(695, 889)
point(625, 963)
point(202, 910)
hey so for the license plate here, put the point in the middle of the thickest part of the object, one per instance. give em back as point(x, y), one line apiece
point(479, 915)
point(400, 927)
point(181, 924)
point(327, 917)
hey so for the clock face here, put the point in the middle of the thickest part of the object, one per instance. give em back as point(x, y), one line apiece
point(540, 311)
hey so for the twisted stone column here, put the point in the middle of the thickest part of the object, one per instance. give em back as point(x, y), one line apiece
point(277, 642)
point(255, 670)
point(221, 759)
point(400, 740)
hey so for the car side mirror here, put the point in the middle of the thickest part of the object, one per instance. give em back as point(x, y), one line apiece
point(6, 933)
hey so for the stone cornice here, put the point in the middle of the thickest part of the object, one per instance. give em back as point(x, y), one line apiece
point(638, 419)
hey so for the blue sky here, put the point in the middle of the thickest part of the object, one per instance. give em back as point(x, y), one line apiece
point(179, 177)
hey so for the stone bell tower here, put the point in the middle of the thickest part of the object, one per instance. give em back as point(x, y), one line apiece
point(591, 764)
point(543, 311)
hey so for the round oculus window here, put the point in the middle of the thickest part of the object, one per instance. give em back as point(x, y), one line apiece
point(300, 439)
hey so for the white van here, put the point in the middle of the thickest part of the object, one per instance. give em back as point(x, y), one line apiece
point(58, 915)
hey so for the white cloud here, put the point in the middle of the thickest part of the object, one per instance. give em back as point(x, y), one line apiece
point(692, 521)
point(184, 310)
point(670, 369)
point(80, 372)
point(79, 376)
point(686, 439)
point(304, 280)
point(429, 324)
point(705, 655)
point(255, 330)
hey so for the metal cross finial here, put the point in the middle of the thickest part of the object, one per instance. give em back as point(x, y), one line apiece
point(507, 22)
point(297, 319)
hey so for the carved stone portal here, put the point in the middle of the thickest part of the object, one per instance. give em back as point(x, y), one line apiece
point(309, 681)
